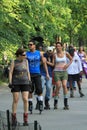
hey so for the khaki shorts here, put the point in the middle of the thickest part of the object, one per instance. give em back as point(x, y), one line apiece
point(60, 75)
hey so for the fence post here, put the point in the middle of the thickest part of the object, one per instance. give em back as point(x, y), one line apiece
point(40, 127)
point(8, 120)
point(35, 125)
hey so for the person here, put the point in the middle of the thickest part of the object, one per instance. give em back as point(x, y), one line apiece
point(73, 82)
point(74, 72)
point(45, 81)
point(60, 73)
point(41, 49)
point(19, 81)
point(35, 58)
point(82, 54)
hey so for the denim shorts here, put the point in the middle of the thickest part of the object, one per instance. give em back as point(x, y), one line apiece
point(60, 75)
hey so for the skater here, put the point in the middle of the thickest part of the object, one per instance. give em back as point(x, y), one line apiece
point(19, 81)
point(74, 73)
point(35, 58)
point(60, 73)
point(45, 81)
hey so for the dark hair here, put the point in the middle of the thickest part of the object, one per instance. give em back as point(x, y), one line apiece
point(59, 43)
point(33, 41)
point(80, 47)
point(20, 51)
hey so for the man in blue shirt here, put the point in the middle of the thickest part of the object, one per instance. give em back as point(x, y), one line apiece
point(34, 59)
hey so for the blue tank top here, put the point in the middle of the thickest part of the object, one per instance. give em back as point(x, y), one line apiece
point(34, 61)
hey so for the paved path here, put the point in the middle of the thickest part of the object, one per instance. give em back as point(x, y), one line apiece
point(73, 119)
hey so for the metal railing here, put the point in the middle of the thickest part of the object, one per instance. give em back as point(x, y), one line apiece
point(6, 123)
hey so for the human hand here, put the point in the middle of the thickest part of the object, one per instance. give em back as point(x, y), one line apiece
point(10, 85)
point(47, 76)
point(30, 83)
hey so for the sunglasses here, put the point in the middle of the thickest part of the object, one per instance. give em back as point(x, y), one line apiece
point(30, 44)
point(23, 54)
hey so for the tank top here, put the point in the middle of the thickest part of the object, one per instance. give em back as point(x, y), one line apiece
point(34, 61)
point(61, 61)
point(20, 73)
point(81, 55)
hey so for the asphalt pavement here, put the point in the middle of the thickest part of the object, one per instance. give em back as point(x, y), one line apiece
point(73, 119)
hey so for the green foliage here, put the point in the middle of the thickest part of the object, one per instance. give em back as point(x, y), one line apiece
point(20, 20)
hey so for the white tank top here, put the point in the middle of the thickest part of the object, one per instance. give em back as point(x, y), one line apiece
point(60, 63)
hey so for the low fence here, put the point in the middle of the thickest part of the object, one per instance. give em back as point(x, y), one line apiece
point(5, 123)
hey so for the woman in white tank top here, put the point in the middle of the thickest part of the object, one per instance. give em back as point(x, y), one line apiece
point(60, 73)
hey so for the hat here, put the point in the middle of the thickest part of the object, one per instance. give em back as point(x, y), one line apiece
point(71, 51)
point(49, 48)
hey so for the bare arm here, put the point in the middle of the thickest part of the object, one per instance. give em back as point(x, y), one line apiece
point(45, 65)
point(11, 72)
point(28, 71)
point(70, 58)
point(52, 62)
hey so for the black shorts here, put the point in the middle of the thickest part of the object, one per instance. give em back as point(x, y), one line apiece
point(20, 88)
point(36, 84)
point(74, 77)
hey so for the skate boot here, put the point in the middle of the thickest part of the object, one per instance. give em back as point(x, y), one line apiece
point(81, 94)
point(66, 106)
point(40, 106)
point(47, 106)
point(14, 120)
point(30, 106)
point(55, 104)
point(71, 93)
point(37, 105)
point(25, 117)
